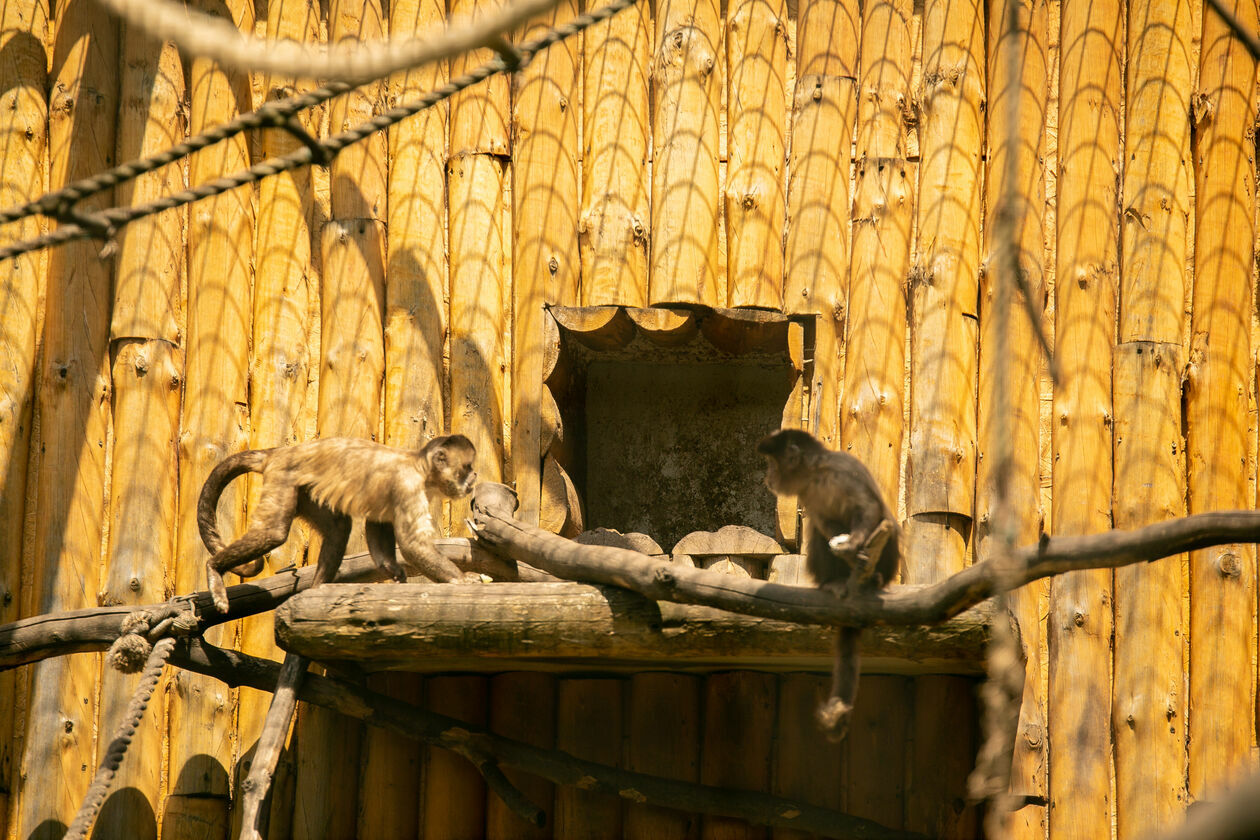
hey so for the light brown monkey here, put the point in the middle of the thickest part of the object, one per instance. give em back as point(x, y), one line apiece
point(326, 482)
point(852, 541)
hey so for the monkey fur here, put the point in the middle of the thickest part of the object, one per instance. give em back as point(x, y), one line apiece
point(852, 541)
point(328, 481)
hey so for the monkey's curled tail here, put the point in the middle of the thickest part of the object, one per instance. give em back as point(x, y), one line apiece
point(251, 460)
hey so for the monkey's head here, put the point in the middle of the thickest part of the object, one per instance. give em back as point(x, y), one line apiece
point(789, 454)
point(450, 459)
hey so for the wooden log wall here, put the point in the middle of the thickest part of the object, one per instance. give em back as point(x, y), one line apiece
point(829, 158)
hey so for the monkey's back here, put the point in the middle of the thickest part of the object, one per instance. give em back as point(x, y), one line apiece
point(355, 477)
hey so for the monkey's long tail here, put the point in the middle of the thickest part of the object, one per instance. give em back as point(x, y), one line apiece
point(251, 460)
point(833, 715)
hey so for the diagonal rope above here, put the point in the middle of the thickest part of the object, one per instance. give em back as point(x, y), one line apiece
point(107, 222)
point(204, 36)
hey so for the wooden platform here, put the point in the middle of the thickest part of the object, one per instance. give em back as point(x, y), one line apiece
point(567, 626)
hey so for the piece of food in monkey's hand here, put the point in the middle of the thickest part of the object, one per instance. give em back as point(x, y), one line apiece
point(328, 481)
point(850, 536)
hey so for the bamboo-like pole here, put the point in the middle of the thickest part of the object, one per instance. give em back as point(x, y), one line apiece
point(1022, 356)
point(756, 110)
point(351, 376)
point(148, 370)
point(546, 263)
point(391, 779)
point(613, 229)
point(687, 83)
point(523, 707)
point(74, 407)
point(479, 285)
point(1080, 608)
point(23, 149)
point(941, 462)
point(1218, 379)
point(736, 745)
point(942, 753)
point(871, 411)
point(285, 286)
point(214, 424)
point(875, 754)
point(588, 726)
point(805, 766)
point(663, 725)
point(416, 301)
point(415, 281)
point(816, 260)
point(454, 798)
point(1148, 715)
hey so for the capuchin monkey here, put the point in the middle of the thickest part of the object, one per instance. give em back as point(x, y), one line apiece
point(852, 541)
point(326, 482)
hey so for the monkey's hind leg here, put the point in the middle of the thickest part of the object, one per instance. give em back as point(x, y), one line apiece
point(834, 713)
point(268, 529)
point(380, 542)
point(334, 532)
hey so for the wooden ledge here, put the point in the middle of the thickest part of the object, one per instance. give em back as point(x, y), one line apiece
point(566, 626)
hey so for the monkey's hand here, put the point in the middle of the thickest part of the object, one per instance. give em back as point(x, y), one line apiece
point(833, 717)
point(840, 544)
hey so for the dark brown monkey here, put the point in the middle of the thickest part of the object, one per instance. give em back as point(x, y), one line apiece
point(852, 541)
point(326, 482)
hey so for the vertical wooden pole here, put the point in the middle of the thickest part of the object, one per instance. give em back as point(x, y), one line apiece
point(816, 261)
point(477, 174)
point(523, 706)
point(1148, 715)
point(871, 412)
point(664, 739)
point(1026, 141)
point(416, 295)
point(737, 741)
point(214, 424)
point(74, 406)
point(875, 754)
point(23, 148)
point(415, 339)
point(148, 368)
point(285, 284)
point(391, 778)
point(454, 799)
point(613, 230)
point(941, 462)
point(756, 103)
point(546, 264)
point(1222, 579)
point(806, 766)
point(942, 754)
point(588, 726)
point(687, 80)
point(1080, 609)
point(351, 376)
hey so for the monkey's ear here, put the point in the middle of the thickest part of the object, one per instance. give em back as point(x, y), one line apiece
point(439, 456)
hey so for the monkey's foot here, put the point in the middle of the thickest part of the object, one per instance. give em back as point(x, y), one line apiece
point(833, 717)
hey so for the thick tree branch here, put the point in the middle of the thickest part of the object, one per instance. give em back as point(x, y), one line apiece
point(237, 669)
point(79, 631)
point(663, 581)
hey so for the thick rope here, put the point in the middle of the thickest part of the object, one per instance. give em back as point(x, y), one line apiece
point(96, 794)
point(204, 36)
point(118, 217)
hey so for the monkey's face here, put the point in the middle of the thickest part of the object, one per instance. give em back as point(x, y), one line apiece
point(451, 470)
